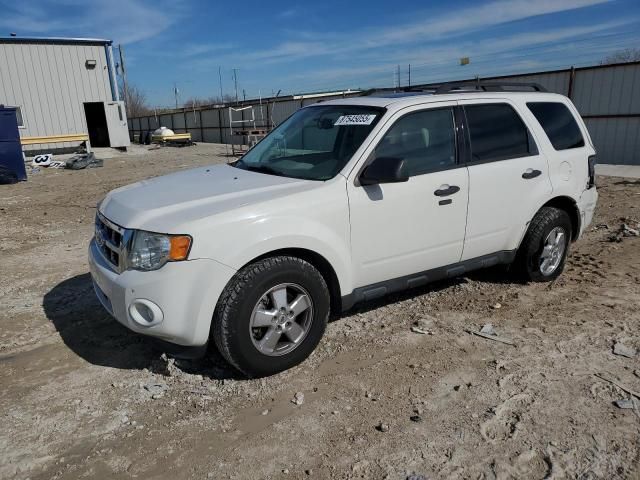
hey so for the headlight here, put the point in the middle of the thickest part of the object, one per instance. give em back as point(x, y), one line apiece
point(150, 251)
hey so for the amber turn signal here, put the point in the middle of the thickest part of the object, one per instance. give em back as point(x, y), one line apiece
point(180, 246)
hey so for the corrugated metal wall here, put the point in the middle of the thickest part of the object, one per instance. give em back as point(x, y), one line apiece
point(607, 97)
point(50, 82)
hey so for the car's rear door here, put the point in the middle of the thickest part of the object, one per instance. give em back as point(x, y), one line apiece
point(508, 177)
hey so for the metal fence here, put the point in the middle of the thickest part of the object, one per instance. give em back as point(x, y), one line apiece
point(607, 97)
point(211, 124)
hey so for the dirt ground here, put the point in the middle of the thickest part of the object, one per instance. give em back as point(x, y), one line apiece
point(82, 397)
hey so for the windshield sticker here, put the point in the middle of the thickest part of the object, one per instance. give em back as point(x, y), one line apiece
point(355, 120)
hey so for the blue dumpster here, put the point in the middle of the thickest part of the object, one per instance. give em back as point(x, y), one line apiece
point(11, 159)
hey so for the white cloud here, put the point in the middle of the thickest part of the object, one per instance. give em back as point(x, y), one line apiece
point(290, 12)
point(495, 51)
point(448, 25)
point(198, 49)
point(124, 21)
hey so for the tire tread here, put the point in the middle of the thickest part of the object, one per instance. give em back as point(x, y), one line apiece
point(546, 216)
point(223, 318)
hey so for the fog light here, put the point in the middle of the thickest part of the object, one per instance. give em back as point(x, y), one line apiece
point(145, 313)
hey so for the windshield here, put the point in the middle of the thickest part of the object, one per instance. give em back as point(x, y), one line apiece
point(314, 143)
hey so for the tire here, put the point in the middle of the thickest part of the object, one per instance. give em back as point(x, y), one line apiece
point(235, 315)
point(531, 254)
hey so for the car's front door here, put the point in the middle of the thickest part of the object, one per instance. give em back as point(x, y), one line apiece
point(398, 229)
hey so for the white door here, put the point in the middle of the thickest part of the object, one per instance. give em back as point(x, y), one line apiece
point(398, 229)
point(117, 124)
point(508, 178)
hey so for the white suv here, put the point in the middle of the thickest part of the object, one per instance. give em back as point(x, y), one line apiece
point(346, 201)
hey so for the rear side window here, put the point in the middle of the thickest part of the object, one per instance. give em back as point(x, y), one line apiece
point(497, 132)
point(558, 123)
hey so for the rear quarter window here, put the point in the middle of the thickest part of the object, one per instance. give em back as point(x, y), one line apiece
point(558, 123)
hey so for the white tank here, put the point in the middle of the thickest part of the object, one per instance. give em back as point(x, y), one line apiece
point(163, 132)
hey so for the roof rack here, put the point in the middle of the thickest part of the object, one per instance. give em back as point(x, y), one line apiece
point(488, 87)
point(466, 86)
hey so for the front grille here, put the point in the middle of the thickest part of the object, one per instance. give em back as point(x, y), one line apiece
point(110, 241)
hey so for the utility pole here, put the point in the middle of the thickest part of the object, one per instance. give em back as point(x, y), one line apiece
point(175, 93)
point(409, 75)
point(220, 77)
point(123, 71)
point(398, 77)
point(244, 95)
point(235, 82)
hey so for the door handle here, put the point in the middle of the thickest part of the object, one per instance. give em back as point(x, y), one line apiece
point(531, 173)
point(446, 190)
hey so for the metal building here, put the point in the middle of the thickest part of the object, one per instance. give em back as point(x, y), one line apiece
point(65, 92)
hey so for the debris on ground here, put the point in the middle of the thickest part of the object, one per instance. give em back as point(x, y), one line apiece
point(623, 350)
point(157, 390)
point(382, 427)
point(625, 403)
point(625, 230)
point(607, 378)
point(423, 326)
point(415, 418)
point(491, 336)
point(488, 329)
point(298, 398)
point(496, 306)
point(165, 365)
point(421, 331)
point(84, 160)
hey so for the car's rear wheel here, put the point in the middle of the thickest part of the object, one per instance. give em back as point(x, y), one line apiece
point(545, 247)
point(271, 315)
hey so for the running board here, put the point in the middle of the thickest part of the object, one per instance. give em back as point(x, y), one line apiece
point(380, 289)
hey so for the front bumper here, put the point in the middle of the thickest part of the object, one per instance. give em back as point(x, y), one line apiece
point(185, 293)
point(587, 207)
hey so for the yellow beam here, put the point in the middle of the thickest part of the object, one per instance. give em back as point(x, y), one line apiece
point(175, 137)
point(73, 137)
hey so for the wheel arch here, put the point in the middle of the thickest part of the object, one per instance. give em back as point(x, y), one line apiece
point(319, 262)
point(570, 206)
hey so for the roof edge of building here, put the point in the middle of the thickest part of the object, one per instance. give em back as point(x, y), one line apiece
point(59, 40)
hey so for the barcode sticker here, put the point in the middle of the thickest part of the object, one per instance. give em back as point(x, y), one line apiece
point(355, 120)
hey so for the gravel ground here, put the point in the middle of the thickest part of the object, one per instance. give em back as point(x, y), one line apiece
point(82, 397)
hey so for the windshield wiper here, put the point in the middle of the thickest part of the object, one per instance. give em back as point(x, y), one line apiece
point(264, 169)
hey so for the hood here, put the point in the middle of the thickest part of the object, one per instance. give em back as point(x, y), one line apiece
point(164, 204)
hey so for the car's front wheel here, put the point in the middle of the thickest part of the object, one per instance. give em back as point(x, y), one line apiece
point(271, 315)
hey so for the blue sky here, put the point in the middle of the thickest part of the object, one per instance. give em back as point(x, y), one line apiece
point(297, 47)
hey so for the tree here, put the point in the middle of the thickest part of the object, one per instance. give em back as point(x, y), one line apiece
point(135, 101)
point(622, 56)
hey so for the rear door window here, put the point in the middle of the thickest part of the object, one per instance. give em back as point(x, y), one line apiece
point(558, 123)
point(497, 132)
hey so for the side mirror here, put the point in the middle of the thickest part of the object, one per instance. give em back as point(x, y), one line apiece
point(384, 170)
